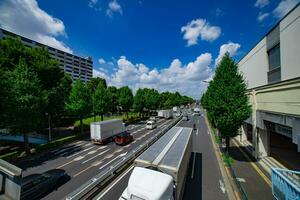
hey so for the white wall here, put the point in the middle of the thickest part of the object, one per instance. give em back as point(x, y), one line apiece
point(254, 66)
point(290, 45)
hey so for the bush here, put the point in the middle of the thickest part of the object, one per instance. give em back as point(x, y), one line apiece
point(227, 159)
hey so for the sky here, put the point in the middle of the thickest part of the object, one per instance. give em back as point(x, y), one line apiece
point(161, 44)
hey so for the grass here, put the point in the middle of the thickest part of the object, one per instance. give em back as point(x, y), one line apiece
point(89, 120)
point(227, 159)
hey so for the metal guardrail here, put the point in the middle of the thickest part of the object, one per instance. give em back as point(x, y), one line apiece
point(285, 184)
point(110, 171)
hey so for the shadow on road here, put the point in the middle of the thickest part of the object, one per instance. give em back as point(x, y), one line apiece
point(37, 186)
point(235, 153)
point(193, 184)
point(40, 159)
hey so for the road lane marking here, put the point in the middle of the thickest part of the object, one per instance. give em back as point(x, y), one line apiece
point(264, 177)
point(95, 156)
point(80, 152)
point(208, 132)
point(121, 155)
point(115, 182)
point(92, 152)
point(222, 186)
point(78, 158)
point(197, 132)
point(242, 180)
point(88, 144)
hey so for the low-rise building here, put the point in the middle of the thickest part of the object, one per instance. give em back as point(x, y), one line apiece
point(77, 67)
point(272, 73)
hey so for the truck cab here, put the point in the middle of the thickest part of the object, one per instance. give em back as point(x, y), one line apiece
point(147, 184)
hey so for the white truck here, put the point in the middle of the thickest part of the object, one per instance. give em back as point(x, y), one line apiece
point(160, 171)
point(165, 114)
point(103, 132)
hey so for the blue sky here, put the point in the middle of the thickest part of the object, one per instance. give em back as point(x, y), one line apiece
point(167, 45)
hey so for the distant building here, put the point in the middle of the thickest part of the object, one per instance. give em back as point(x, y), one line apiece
point(77, 67)
point(272, 73)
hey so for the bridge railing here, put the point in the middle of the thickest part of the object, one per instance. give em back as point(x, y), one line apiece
point(285, 184)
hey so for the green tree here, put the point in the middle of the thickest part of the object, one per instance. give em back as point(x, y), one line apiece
point(125, 99)
point(151, 99)
point(139, 101)
point(226, 100)
point(79, 102)
point(113, 92)
point(26, 100)
point(94, 82)
point(102, 100)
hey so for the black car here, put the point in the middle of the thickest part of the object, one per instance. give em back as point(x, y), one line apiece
point(36, 186)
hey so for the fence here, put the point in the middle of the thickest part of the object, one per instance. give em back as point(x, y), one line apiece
point(285, 184)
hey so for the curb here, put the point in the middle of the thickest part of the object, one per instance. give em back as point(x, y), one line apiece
point(230, 186)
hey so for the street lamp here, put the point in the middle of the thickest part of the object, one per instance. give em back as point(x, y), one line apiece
point(49, 127)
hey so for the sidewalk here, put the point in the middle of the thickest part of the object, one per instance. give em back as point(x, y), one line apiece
point(253, 179)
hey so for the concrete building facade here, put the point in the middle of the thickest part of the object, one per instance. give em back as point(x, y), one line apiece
point(272, 73)
point(77, 67)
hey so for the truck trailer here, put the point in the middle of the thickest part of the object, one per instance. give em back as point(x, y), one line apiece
point(165, 114)
point(104, 131)
point(160, 171)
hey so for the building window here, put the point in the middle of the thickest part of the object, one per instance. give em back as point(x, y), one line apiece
point(274, 73)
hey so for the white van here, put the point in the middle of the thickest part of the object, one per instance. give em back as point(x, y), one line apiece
point(150, 125)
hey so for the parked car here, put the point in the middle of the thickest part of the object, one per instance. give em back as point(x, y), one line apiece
point(123, 138)
point(36, 186)
point(150, 125)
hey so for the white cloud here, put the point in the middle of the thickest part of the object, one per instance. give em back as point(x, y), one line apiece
point(261, 3)
point(262, 16)
point(200, 28)
point(101, 61)
point(230, 47)
point(284, 7)
point(113, 7)
point(187, 79)
point(25, 18)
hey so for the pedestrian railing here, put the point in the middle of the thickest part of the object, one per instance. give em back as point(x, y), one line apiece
point(109, 172)
point(285, 184)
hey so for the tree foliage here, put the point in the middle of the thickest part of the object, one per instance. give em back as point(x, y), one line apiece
point(102, 100)
point(125, 99)
point(225, 99)
point(26, 100)
point(80, 101)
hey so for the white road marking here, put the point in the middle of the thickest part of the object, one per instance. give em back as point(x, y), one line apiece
point(78, 158)
point(114, 183)
point(121, 155)
point(208, 132)
point(222, 186)
point(79, 152)
point(86, 145)
point(197, 132)
point(92, 152)
point(95, 156)
point(242, 180)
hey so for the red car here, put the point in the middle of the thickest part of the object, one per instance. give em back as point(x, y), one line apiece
point(123, 138)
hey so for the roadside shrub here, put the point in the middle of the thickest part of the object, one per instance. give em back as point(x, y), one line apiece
point(10, 156)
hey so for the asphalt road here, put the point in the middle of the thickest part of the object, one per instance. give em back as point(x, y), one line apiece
point(204, 180)
point(83, 160)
